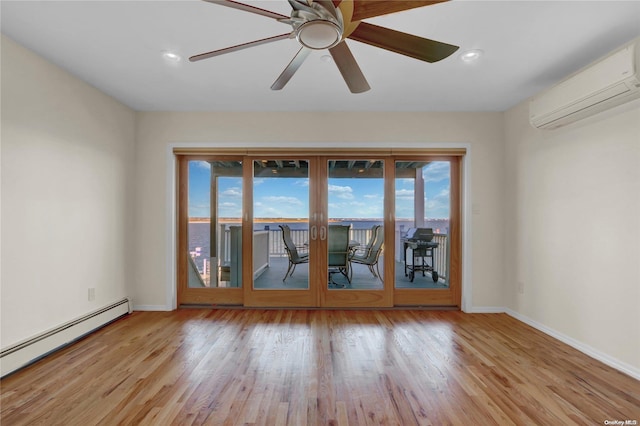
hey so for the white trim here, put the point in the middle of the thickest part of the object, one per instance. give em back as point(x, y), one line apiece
point(170, 264)
point(152, 308)
point(329, 144)
point(586, 349)
point(466, 299)
point(171, 256)
point(486, 310)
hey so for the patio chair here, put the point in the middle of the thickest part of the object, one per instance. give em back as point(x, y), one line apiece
point(363, 251)
point(295, 258)
point(371, 254)
point(338, 250)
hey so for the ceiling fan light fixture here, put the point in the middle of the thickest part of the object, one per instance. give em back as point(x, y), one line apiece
point(319, 34)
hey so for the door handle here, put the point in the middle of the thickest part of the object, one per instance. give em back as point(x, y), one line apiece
point(314, 232)
point(323, 233)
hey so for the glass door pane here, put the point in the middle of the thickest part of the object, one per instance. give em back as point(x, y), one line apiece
point(281, 251)
point(356, 224)
point(210, 208)
point(215, 224)
point(423, 211)
point(227, 189)
point(199, 229)
point(353, 234)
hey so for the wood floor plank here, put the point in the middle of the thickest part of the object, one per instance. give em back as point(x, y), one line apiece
point(317, 367)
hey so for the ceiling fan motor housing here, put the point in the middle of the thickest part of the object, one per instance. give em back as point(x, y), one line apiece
point(319, 34)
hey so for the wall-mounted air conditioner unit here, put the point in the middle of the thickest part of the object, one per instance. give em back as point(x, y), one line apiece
point(608, 82)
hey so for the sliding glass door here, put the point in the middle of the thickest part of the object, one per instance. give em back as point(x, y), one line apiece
point(355, 206)
point(427, 218)
point(210, 230)
point(311, 230)
point(280, 233)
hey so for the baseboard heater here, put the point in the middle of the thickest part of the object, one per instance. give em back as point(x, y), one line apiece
point(29, 351)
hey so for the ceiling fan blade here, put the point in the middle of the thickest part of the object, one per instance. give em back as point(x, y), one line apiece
point(219, 52)
point(329, 6)
point(248, 8)
point(291, 69)
point(349, 68)
point(363, 9)
point(300, 5)
point(402, 43)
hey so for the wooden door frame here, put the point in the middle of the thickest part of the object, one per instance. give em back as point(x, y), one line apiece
point(399, 297)
point(273, 297)
point(186, 294)
point(452, 295)
point(348, 298)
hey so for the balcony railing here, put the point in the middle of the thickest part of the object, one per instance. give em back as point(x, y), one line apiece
point(301, 237)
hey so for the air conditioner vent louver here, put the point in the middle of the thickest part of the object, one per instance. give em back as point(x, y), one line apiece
point(611, 81)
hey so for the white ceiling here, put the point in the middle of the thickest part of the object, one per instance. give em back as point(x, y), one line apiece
point(116, 46)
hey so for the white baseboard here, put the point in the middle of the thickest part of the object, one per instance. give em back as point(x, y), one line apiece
point(586, 349)
point(30, 350)
point(151, 308)
point(487, 310)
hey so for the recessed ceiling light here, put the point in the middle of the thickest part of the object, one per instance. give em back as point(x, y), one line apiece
point(326, 58)
point(471, 55)
point(170, 56)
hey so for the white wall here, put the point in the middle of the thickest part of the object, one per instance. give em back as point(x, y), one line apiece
point(156, 130)
point(67, 171)
point(573, 231)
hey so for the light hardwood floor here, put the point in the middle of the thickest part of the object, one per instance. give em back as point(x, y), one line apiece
point(318, 367)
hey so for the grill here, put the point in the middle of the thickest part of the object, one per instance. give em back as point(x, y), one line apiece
point(419, 240)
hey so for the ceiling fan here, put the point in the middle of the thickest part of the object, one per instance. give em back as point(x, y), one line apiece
point(326, 24)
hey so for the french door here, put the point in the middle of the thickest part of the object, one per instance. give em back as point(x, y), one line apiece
point(309, 230)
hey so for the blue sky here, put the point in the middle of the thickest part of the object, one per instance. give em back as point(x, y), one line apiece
point(289, 197)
